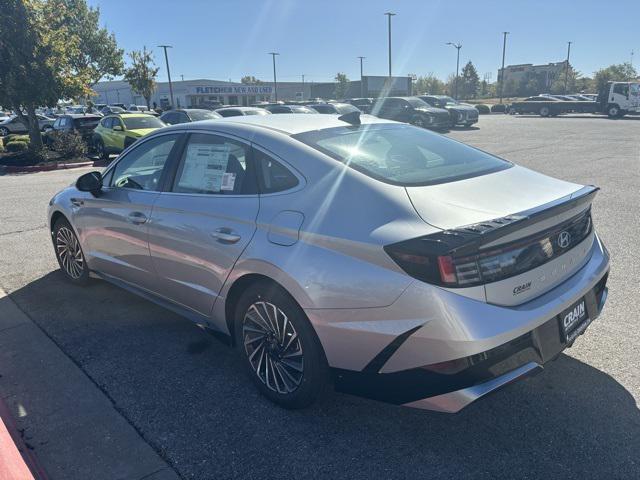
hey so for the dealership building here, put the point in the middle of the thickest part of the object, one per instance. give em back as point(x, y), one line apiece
point(518, 73)
point(205, 92)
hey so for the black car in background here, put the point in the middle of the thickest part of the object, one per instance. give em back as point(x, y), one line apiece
point(187, 115)
point(80, 123)
point(333, 108)
point(460, 113)
point(283, 108)
point(239, 111)
point(412, 110)
point(363, 104)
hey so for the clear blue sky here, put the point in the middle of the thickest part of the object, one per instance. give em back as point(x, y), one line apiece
point(226, 39)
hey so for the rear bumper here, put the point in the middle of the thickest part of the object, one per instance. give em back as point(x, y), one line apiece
point(439, 350)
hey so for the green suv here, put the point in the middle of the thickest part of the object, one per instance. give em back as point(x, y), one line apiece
point(114, 133)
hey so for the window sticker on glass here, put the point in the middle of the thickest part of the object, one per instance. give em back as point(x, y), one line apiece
point(205, 168)
point(228, 181)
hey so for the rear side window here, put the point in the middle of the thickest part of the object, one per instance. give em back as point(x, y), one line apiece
point(272, 175)
point(216, 165)
point(402, 154)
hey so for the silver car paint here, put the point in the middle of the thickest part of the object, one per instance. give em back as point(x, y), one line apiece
point(333, 264)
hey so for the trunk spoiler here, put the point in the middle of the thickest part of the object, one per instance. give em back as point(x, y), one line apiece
point(467, 239)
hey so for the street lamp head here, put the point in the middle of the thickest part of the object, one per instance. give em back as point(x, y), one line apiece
point(391, 14)
point(165, 46)
point(274, 53)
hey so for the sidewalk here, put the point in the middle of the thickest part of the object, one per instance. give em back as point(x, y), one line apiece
point(69, 424)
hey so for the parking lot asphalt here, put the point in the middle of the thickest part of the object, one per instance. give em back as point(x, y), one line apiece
point(186, 394)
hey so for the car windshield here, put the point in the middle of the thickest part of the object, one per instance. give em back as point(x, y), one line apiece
point(417, 103)
point(116, 109)
point(148, 121)
point(86, 122)
point(402, 154)
point(197, 115)
point(257, 111)
point(448, 100)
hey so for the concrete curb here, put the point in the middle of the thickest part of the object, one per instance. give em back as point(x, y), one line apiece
point(73, 428)
point(5, 169)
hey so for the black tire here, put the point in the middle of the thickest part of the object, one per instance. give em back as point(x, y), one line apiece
point(613, 111)
point(74, 266)
point(297, 387)
point(101, 151)
point(4, 131)
point(418, 121)
point(544, 111)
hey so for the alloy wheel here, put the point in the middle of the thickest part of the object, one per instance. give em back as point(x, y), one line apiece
point(273, 347)
point(69, 253)
point(4, 131)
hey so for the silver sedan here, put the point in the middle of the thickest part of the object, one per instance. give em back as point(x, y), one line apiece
point(387, 260)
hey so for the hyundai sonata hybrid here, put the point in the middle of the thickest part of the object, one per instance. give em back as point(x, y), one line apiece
point(378, 257)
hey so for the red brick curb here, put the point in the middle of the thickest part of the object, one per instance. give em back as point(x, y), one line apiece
point(17, 461)
point(52, 166)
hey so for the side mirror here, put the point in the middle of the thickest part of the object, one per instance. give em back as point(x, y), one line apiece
point(117, 128)
point(90, 182)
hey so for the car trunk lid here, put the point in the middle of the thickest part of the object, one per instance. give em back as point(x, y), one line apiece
point(514, 216)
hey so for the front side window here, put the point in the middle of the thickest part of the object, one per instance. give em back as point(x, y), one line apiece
point(142, 167)
point(216, 165)
point(402, 154)
point(621, 88)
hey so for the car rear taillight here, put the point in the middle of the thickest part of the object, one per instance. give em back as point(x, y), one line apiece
point(429, 259)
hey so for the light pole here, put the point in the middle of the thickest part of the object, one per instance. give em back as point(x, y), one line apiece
point(566, 67)
point(303, 86)
point(361, 78)
point(389, 15)
point(166, 59)
point(182, 77)
point(504, 49)
point(632, 52)
point(457, 46)
point(275, 81)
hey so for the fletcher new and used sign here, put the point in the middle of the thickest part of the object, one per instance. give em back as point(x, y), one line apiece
point(236, 90)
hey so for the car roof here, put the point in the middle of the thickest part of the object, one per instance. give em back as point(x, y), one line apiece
point(288, 123)
point(130, 115)
point(80, 115)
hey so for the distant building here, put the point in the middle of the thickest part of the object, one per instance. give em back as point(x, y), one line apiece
point(515, 75)
point(205, 92)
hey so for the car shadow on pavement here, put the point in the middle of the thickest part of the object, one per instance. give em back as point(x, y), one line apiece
point(188, 396)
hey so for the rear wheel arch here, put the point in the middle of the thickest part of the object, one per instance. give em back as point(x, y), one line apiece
point(236, 290)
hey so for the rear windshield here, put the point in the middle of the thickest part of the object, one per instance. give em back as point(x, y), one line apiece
point(135, 123)
point(197, 115)
point(90, 122)
point(402, 154)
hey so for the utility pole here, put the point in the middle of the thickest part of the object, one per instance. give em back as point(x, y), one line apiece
point(275, 81)
point(361, 78)
point(166, 59)
point(566, 67)
point(504, 49)
point(457, 46)
point(389, 15)
point(182, 77)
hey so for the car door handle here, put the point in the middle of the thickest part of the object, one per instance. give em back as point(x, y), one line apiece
point(137, 218)
point(225, 235)
point(78, 202)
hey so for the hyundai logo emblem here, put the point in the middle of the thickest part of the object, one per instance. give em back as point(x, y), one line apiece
point(564, 239)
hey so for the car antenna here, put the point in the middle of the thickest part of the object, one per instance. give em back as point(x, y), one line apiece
point(352, 118)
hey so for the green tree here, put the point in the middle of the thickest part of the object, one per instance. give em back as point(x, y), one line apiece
point(557, 85)
point(342, 84)
point(429, 84)
point(142, 73)
point(622, 72)
point(470, 81)
point(49, 51)
point(250, 80)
